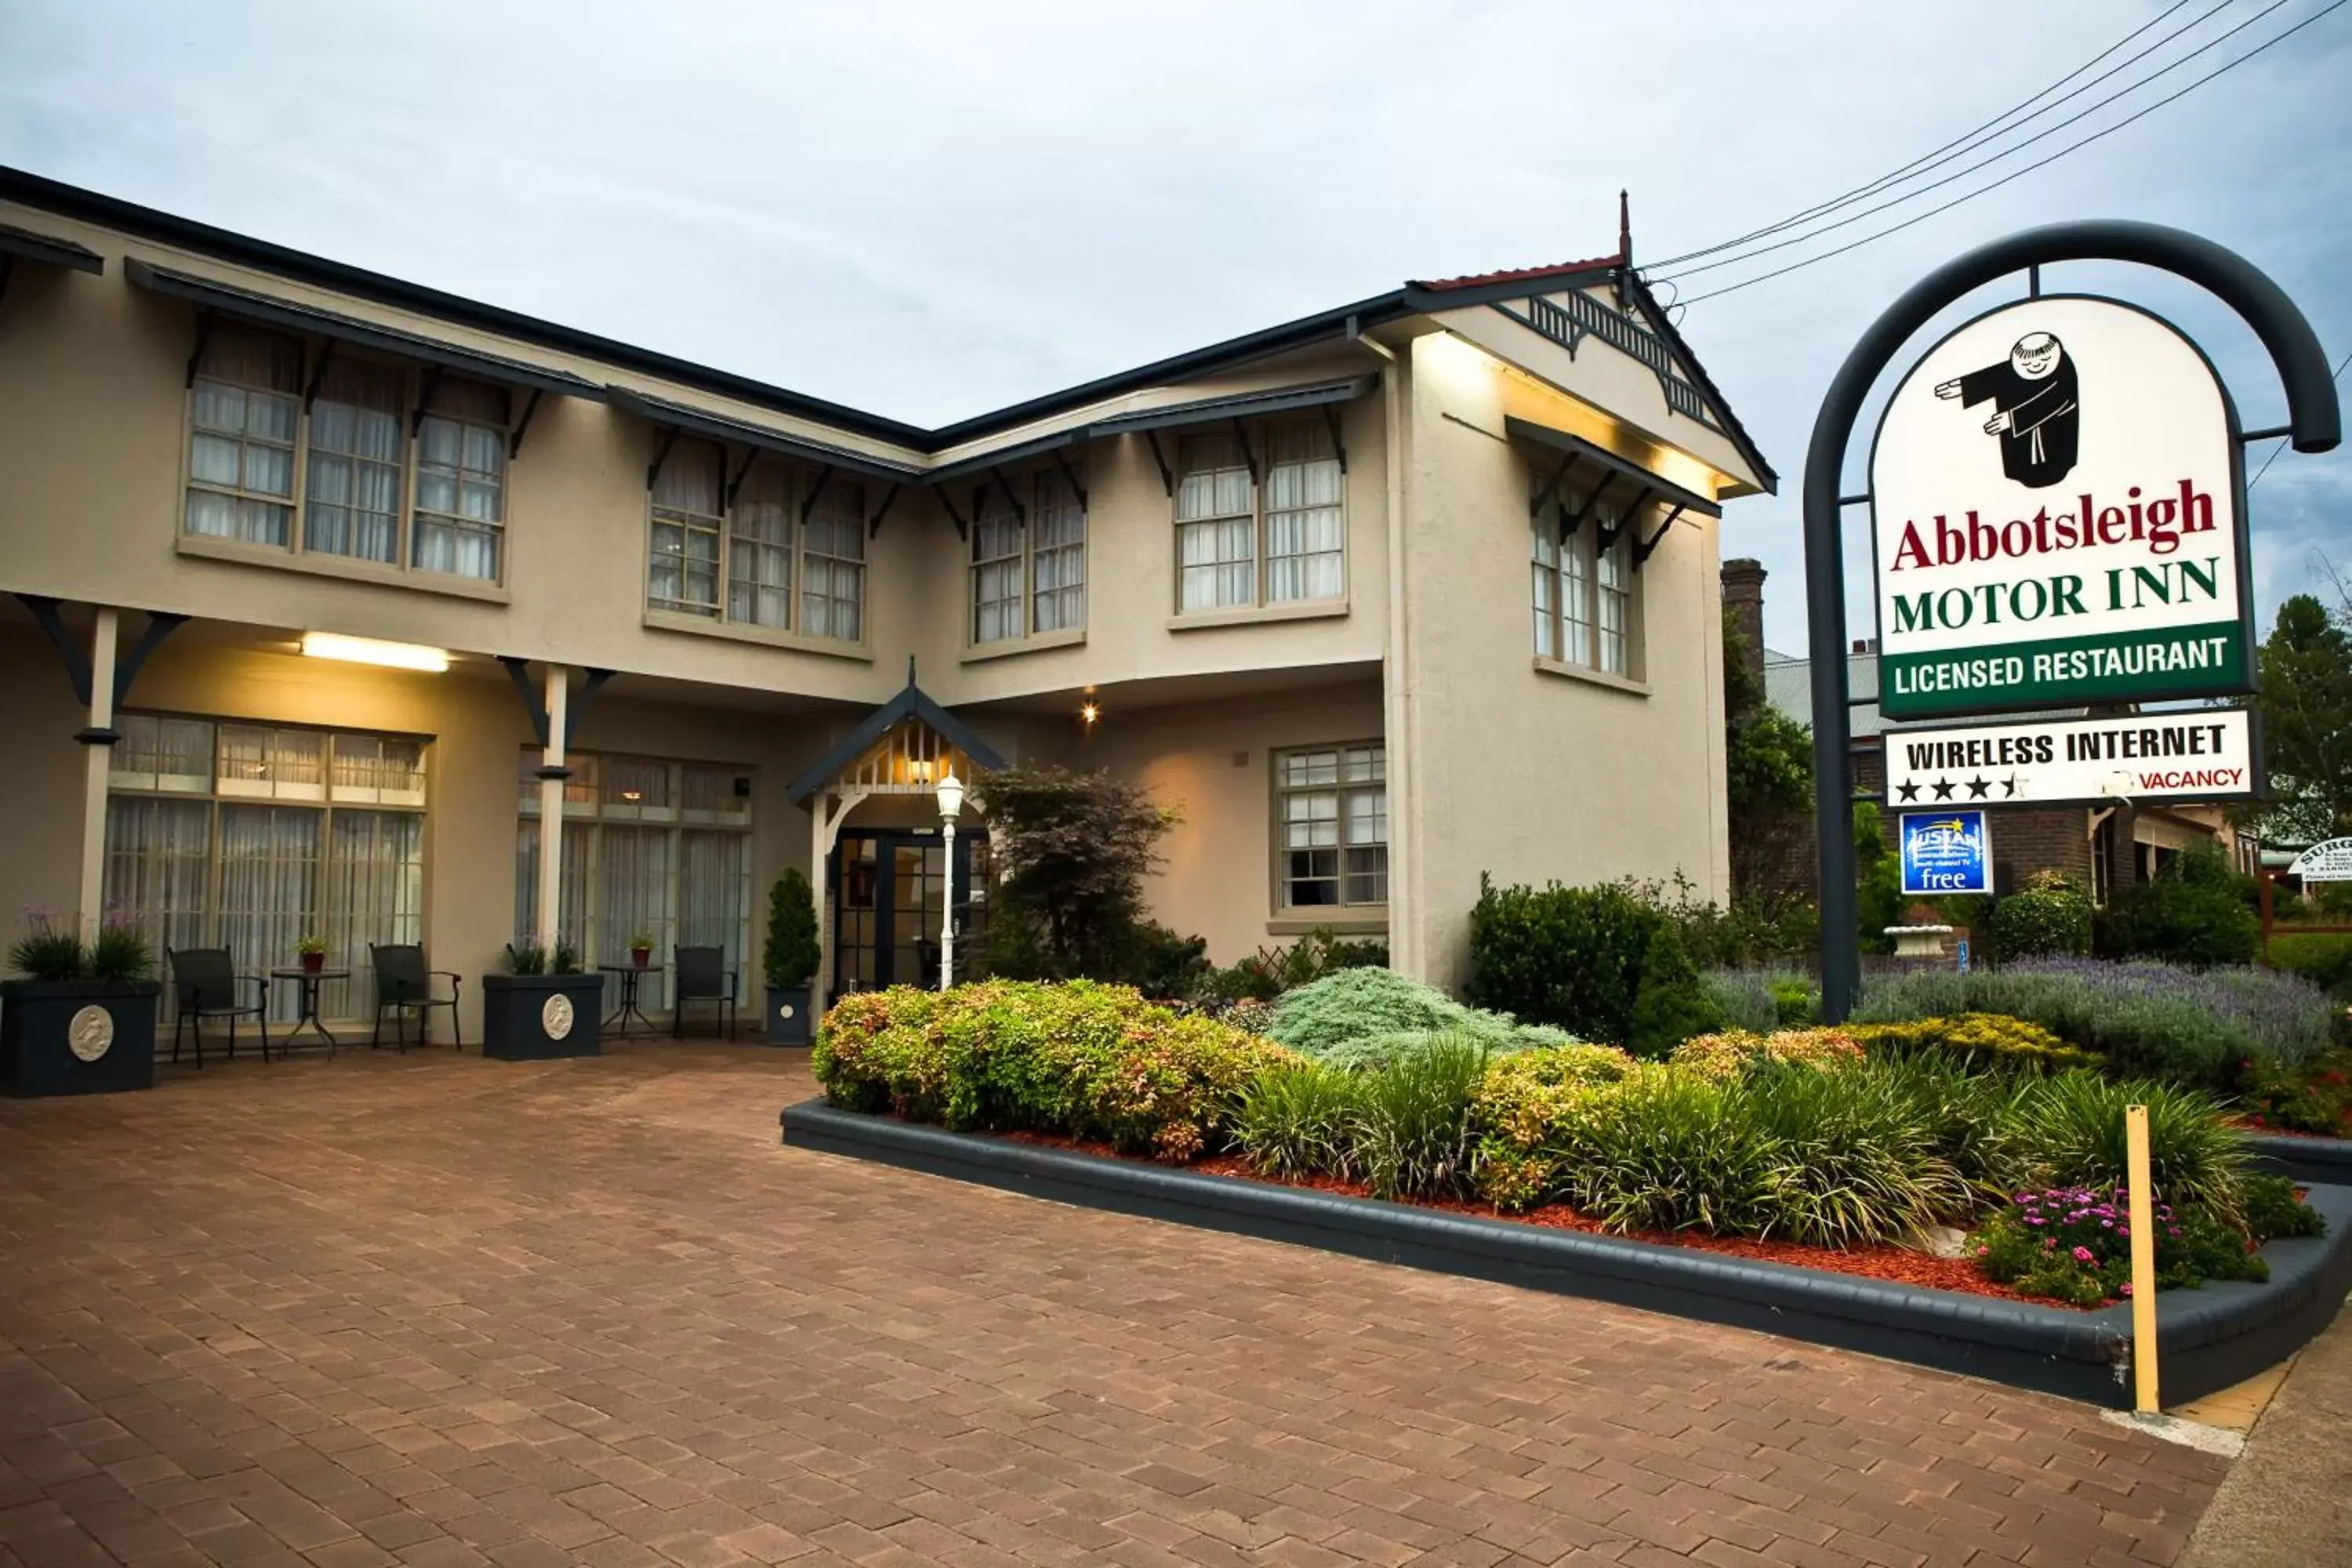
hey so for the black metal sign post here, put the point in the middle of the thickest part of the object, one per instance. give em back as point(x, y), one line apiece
point(2315, 424)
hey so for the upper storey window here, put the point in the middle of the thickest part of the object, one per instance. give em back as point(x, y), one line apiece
point(785, 551)
point(1260, 518)
point(310, 451)
point(1583, 574)
point(1028, 558)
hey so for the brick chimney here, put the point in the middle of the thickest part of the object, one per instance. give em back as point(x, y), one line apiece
point(1743, 595)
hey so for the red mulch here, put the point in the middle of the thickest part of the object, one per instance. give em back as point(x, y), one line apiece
point(1882, 1262)
point(2256, 1124)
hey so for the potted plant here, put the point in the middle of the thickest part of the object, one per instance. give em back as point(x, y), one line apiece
point(641, 947)
point(543, 1006)
point(80, 1019)
point(313, 951)
point(789, 959)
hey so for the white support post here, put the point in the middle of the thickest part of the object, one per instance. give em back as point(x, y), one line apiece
point(947, 901)
point(551, 814)
point(818, 857)
point(97, 761)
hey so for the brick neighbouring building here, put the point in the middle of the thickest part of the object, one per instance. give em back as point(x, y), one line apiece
point(2105, 849)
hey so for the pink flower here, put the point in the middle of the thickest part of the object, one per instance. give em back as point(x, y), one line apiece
point(2127, 1288)
point(2083, 1254)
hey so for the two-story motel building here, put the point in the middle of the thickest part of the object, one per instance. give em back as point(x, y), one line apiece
point(1419, 587)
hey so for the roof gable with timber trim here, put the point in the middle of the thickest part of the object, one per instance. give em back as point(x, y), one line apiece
point(876, 739)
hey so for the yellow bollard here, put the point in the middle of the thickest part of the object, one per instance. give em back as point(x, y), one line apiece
point(2143, 1259)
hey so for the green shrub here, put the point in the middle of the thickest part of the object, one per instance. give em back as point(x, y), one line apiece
point(1879, 901)
point(1370, 1053)
point(2322, 958)
point(1670, 1004)
point(1664, 1151)
point(1162, 963)
point(1360, 1004)
point(1569, 956)
point(1852, 1160)
point(2070, 1133)
point(2194, 912)
point(2050, 918)
point(2273, 1210)
point(1082, 1058)
point(1271, 971)
point(1744, 998)
point(46, 950)
point(2075, 1244)
point(1299, 1119)
point(1984, 1041)
point(1413, 1136)
point(2311, 1096)
point(789, 957)
point(120, 954)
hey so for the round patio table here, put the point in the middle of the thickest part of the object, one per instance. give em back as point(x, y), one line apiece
point(310, 981)
point(633, 976)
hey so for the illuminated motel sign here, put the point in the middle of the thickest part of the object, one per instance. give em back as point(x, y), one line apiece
point(2057, 518)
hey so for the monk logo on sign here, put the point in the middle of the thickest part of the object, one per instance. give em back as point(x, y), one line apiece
point(2036, 413)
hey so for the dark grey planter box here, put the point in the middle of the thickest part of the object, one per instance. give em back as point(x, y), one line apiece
point(2300, 1159)
point(789, 1023)
point(38, 1036)
point(2207, 1339)
point(522, 1023)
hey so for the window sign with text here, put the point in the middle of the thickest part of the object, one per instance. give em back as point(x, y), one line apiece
point(2058, 519)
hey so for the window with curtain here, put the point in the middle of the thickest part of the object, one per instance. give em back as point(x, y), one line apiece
point(1226, 524)
point(998, 550)
point(351, 495)
point(1304, 539)
point(662, 848)
point(237, 836)
point(1217, 524)
point(1331, 827)
point(1583, 589)
point(833, 563)
point(245, 414)
point(760, 549)
point(685, 527)
point(1058, 565)
point(461, 465)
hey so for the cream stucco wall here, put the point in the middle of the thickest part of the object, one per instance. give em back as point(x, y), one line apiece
point(1528, 775)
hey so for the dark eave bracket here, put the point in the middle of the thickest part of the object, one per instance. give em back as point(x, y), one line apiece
point(1166, 478)
point(1338, 442)
point(514, 437)
point(661, 456)
point(427, 383)
point(873, 523)
point(160, 625)
point(1643, 551)
point(575, 707)
point(204, 336)
point(947, 504)
point(808, 501)
point(318, 376)
point(1571, 526)
point(1241, 434)
point(1552, 487)
point(735, 485)
point(1070, 476)
point(1605, 537)
point(1020, 513)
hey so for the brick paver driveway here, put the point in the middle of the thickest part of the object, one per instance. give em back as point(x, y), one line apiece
point(445, 1310)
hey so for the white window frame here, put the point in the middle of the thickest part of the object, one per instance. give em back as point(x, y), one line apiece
point(802, 495)
point(417, 382)
point(1350, 761)
point(1256, 440)
point(1581, 621)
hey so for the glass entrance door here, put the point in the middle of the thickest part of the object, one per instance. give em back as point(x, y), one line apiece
point(890, 893)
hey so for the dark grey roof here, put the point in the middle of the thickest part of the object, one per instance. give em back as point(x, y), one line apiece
point(49, 248)
point(911, 701)
point(1582, 450)
point(1235, 405)
point(719, 427)
point(301, 318)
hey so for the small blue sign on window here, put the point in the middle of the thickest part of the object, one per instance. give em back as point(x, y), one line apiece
point(1946, 852)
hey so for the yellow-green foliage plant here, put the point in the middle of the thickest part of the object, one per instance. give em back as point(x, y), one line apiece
point(1525, 1111)
point(1731, 1052)
point(1984, 1041)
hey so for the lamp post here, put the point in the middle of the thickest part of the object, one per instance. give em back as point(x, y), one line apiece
point(951, 796)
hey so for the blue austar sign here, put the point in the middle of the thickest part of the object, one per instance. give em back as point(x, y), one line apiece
point(1946, 852)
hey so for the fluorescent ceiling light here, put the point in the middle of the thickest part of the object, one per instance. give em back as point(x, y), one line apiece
point(369, 651)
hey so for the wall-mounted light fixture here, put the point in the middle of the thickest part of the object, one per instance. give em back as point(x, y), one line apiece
point(1089, 712)
point(371, 650)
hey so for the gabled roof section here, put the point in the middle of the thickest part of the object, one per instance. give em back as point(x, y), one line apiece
point(911, 702)
point(1654, 313)
point(1556, 272)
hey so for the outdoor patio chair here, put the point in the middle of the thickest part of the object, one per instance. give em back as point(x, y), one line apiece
point(404, 986)
point(702, 975)
point(204, 985)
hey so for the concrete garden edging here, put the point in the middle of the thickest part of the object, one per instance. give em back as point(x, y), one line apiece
point(2325, 1161)
point(2209, 1338)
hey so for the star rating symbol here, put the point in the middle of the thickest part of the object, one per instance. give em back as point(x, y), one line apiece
point(1907, 791)
point(1979, 787)
point(2008, 785)
point(1943, 789)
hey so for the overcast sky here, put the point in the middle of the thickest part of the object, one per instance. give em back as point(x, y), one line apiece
point(928, 210)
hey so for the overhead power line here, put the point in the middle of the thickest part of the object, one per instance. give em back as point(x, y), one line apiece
point(1966, 140)
point(2223, 69)
point(2125, 91)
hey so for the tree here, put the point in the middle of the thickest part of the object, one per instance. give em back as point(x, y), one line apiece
point(1073, 849)
point(1670, 1004)
point(1768, 761)
point(790, 956)
point(2304, 699)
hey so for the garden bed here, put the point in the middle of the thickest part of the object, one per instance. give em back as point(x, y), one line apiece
point(2210, 1338)
point(2302, 1156)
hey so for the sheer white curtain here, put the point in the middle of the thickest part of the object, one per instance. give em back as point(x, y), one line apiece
point(833, 563)
point(241, 445)
point(632, 868)
point(1058, 557)
point(461, 465)
point(1612, 575)
point(996, 567)
point(353, 483)
point(760, 549)
point(159, 857)
point(713, 895)
point(374, 893)
point(268, 898)
point(1216, 525)
point(1305, 539)
point(686, 500)
point(1544, 572)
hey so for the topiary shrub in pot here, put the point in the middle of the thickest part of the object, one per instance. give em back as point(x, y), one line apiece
point(789, 959)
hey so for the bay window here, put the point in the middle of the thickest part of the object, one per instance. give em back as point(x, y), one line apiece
point(1242, 542)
